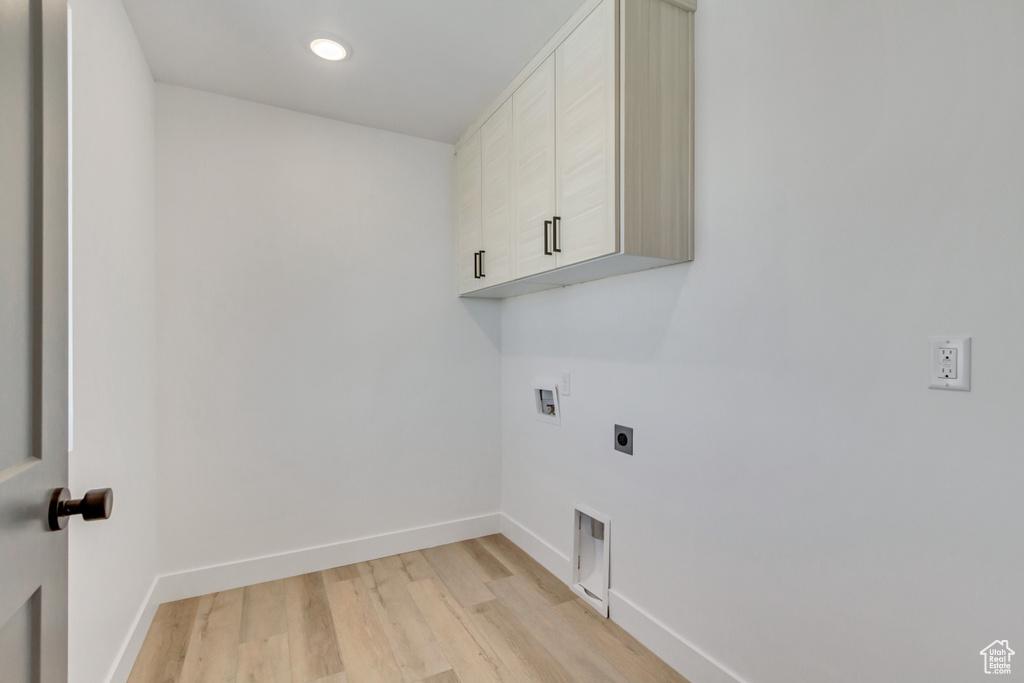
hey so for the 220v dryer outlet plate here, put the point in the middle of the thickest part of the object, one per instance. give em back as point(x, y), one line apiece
point(624, 439)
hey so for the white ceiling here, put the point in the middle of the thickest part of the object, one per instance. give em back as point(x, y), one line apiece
point(421, 67)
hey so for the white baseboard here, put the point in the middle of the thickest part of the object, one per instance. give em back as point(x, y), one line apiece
point(675, 650)
point(122, 667)
point(194, 582)
point(555, 562)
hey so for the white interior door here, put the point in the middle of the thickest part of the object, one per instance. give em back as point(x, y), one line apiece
point(33, 337)
point(498, 194)
point(468, 210)
point(533, 159)
point(585, 135)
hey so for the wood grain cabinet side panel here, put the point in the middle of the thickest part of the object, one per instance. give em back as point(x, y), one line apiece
point(657, 129)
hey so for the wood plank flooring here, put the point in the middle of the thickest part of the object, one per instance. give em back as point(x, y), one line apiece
point(479, 611)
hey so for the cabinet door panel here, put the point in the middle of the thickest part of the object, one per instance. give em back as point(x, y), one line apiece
point(533, 132)
point(496, 160)
point(585, 120)
point(468, 207)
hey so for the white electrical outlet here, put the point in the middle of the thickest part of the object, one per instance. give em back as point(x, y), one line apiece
point(947, 363)
point(951, 363)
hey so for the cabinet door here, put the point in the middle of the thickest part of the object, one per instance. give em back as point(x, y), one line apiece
point(496, 161)
point(533, 161)
point(468, 209)
point(585, 120)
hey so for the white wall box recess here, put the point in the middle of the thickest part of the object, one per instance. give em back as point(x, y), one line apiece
point(591, 559)
point(951, 363)
point(545, 398)
point(583, 167)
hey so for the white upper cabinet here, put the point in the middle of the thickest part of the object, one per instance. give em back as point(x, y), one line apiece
point(468, 213)
point(583, 167)
point(533, 123)
point(585, 132)
point(495, 264)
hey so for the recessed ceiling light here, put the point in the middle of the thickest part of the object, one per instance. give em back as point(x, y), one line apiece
point(328, 49)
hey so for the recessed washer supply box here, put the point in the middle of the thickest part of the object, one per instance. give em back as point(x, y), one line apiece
point(545, 398)
point(591, 558)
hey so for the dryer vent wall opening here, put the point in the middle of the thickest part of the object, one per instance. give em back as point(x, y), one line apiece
point(591, 557)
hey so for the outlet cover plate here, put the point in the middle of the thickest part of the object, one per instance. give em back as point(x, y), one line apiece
point(624, 439)
point(950, 371)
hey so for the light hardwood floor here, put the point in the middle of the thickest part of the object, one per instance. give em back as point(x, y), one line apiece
point(478, 611)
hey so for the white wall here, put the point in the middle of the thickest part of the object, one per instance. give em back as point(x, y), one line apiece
point(112, 563)
point(320, 380)
point(800, 505)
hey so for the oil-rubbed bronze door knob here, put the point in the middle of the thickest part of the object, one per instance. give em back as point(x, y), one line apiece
point(96, 504)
